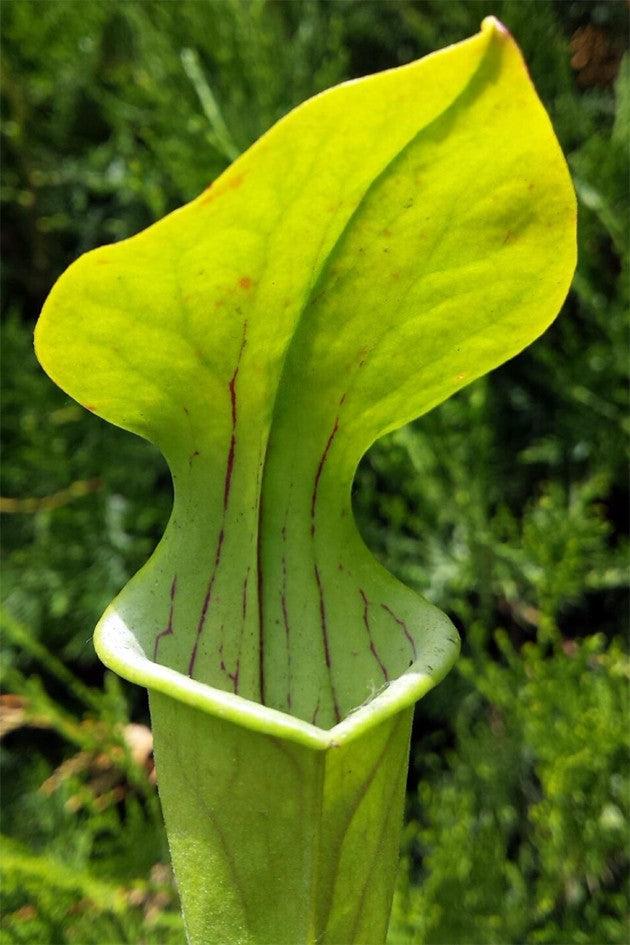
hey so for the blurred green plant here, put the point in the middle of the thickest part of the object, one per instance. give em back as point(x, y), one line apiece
point(524, 823)
point(83, 847)
point(50, 580)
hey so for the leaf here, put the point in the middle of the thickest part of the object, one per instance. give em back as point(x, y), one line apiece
point(273, 841)
point(383, 245)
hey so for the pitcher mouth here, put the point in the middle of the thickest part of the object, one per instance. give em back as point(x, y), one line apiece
point(119, 649)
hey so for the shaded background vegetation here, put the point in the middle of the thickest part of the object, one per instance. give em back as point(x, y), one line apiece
point(507, 506)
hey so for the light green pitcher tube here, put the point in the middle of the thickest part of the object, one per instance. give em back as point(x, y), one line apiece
point(381, 247)
point(276, 841)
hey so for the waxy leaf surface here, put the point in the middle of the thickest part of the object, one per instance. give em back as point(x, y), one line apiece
point(382, 246)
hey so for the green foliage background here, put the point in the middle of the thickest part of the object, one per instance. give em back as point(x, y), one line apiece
point(507, 506)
